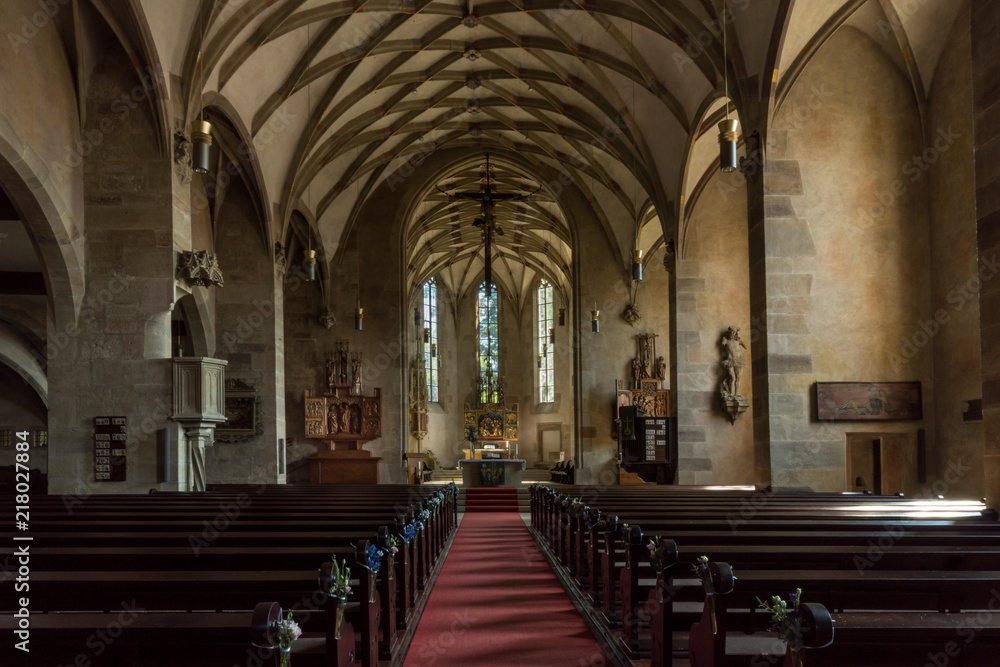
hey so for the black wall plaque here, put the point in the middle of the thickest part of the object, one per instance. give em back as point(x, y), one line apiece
point(110, 435)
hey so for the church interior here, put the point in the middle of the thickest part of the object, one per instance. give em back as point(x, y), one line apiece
point(616, 246)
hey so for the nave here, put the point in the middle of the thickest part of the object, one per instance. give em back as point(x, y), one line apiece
point(206, 579)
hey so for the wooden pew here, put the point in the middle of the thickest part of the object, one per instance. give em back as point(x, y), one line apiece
point(590, 543)
point(889, 638)
point(130, 638)
point(240, 544)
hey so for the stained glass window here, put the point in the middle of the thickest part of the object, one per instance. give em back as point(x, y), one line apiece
point(489, 343)
point(431, 339)
point(546, 353)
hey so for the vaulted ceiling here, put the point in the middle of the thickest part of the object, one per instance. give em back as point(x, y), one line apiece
point(621, 96)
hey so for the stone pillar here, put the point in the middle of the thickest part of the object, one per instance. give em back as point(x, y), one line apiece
point(688, 374)
point(114, 359)
point(198, 437)
point(752, 167)
point(250, 335)
point(986, 111)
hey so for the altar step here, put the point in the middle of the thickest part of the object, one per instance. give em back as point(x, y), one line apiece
point(479, 499)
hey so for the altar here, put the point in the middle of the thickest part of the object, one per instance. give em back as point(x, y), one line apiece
point(492, 472)
point(345, 419)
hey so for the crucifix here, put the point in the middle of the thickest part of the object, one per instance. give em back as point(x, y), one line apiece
point(488, 198)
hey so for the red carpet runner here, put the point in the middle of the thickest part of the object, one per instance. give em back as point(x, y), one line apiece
point(490, 499)
point(497, 603)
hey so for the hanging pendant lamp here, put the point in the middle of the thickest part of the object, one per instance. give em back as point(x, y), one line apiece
point(729, 129)
point(201, 142)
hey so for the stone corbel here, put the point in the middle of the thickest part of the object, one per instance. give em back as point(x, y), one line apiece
point(199, 268)
point(328, 319)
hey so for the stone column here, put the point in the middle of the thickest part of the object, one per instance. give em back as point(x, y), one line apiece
point(198, 437)
point(114, 359)
point(752, 167)
point(688, 374)
point(787, 452)
point(986, 112)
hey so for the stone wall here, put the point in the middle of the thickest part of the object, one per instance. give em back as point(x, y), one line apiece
point(249, 324)
point(956, 444)
point(985, 20)
point(846, 248)
point(712, 295)
point(116, 358)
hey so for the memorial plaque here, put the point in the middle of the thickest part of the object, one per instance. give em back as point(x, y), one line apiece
point(655, 438)
point(109, 449)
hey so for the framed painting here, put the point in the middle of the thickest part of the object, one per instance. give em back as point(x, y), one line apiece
point(244, 420)
point(868, 401)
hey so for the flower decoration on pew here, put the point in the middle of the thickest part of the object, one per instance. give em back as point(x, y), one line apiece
point(433, 504)
point(288, 632)
point(372, 559)
point(409, 532)
point(425, 516)
point(394, 544)
point(704, 573)
point(340, 586)
point(657, 554)
point(786, 620)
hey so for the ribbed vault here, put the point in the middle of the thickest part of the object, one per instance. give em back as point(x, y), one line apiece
point(618, 96)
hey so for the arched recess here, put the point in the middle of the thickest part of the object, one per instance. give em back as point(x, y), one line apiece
point(701, 163)
point(21, 356)
point(414, 186)
point(199, 325)
point(45, 216)
point(235, 155)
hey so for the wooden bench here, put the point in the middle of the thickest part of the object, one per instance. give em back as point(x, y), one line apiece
point(847, 538)
point(133, 638)
point(159, 563)
point(889, 638)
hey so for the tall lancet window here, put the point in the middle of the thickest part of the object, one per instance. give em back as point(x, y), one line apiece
point(431, 339)
point(489, 344)
point(546, 353)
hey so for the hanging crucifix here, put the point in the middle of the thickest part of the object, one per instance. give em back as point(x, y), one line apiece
point(488, 198)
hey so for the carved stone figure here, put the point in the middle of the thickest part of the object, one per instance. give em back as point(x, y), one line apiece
point(632, 314)
point(182, 157)
point(331, 371)
point(328, 319)
point(733, 361)
point(333, 420)
point(356, 370)
point(345, 418)
point(636, 372)
point(342, 374)
point(661, 369)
